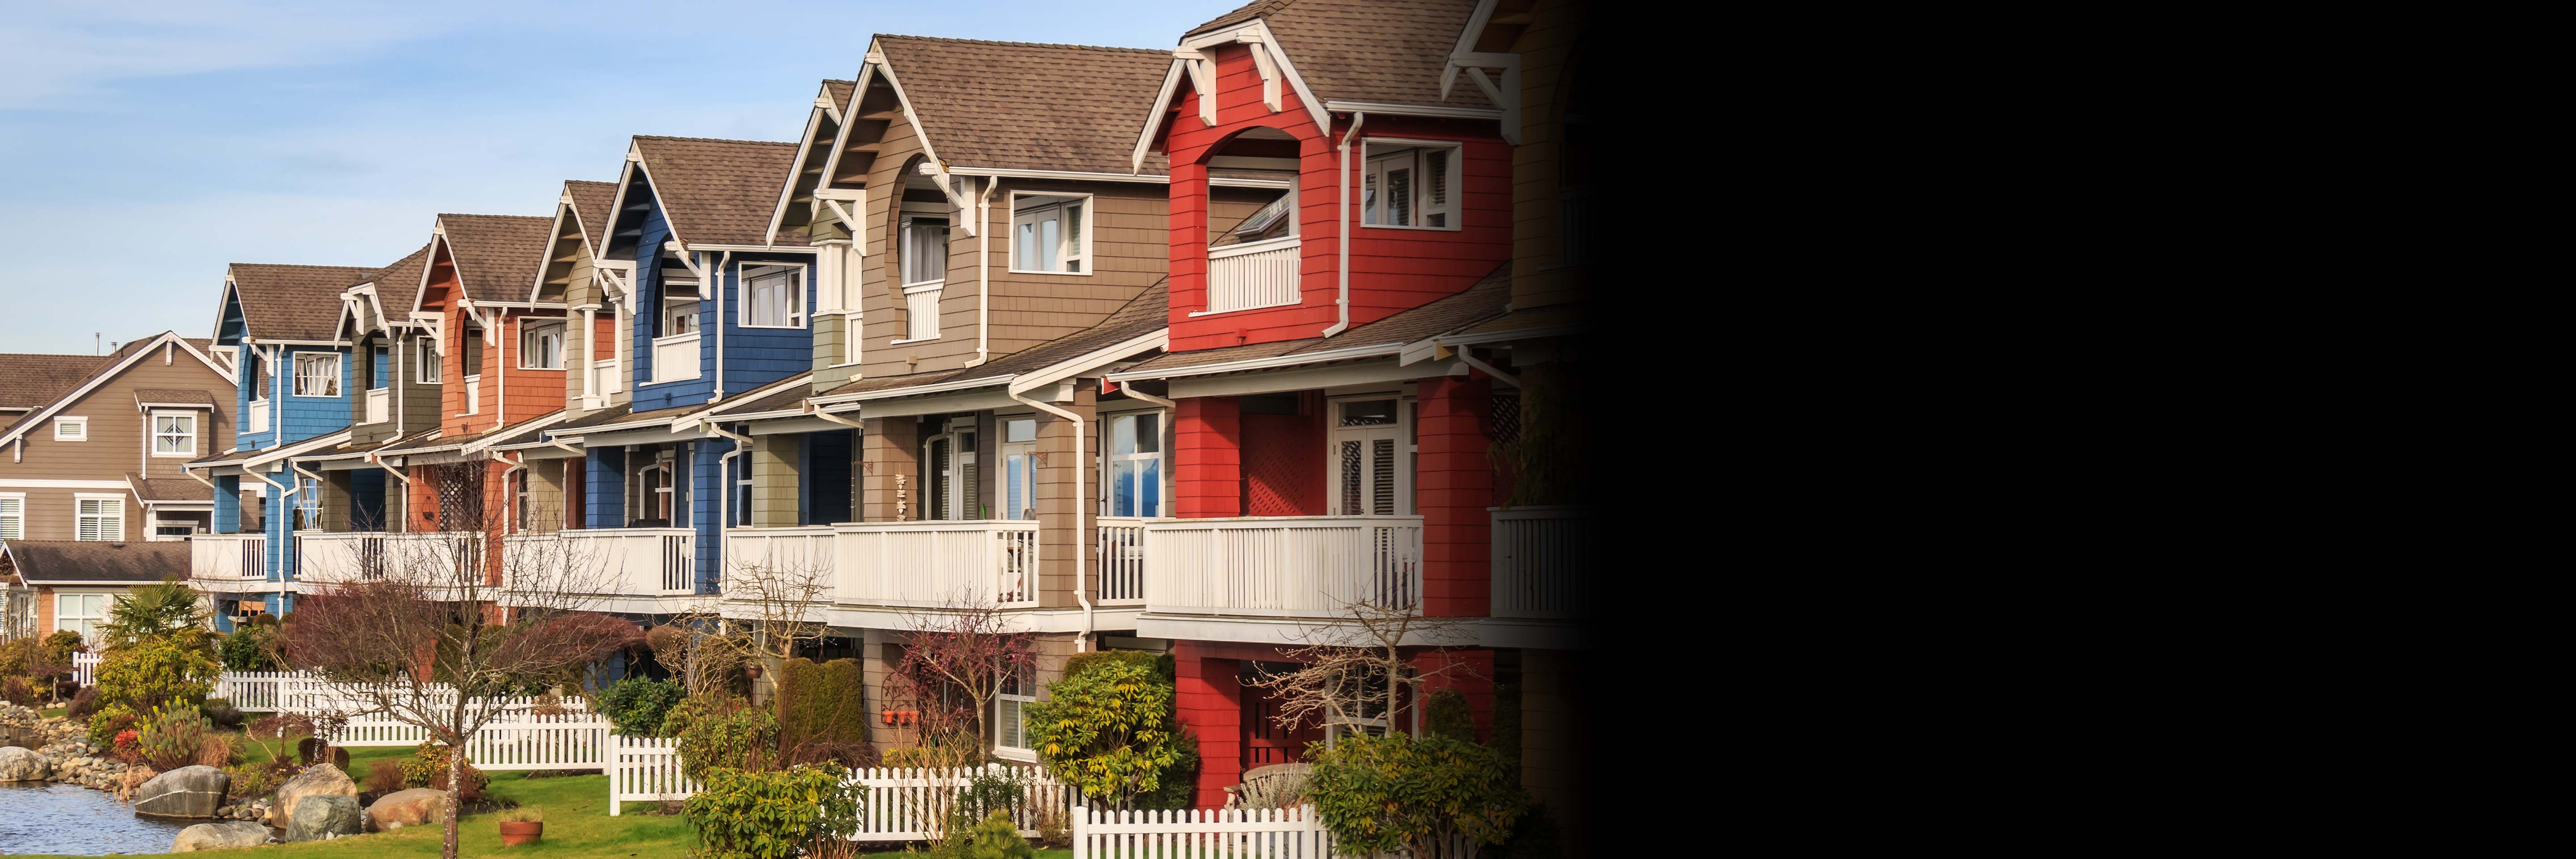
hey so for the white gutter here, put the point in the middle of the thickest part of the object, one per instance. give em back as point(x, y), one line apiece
point(984, 271)
point(1082, 537)
point(501, 401)
point(915, 390)
point(1342, 217)
point(199, 477)
point(390, 469)
point(1289, 360)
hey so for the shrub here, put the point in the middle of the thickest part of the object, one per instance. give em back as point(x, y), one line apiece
point(385, 777)
point(107, 721)
point(1395, 792)
point(155, 672)
point(771, 815)
point(1108, 730)
point(427, 767)
point(1451, 717)
point(218, 752)
point(168, 611)
point(273, 732)
point(1159, 663)
point(173, 737)
point(998, 838)
point(84, 703)
point(16, 691)
point(128, 746)
point(251, 781)
point(224, 713)
point(723, 732)
point(250, 648)
point(16, 654)
point(822, 712)
point(1180, 780)
point(638, 705)
point(60, 646)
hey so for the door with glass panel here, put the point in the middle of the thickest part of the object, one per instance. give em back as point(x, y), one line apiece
point(1019, 489)
point(1370, 470)
point(1135, 469)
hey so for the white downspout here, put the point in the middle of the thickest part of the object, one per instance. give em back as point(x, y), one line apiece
point(589, 351)
point(1342, 216)
point(724, 473)
point(1082, 538)
point(984, 271)
point(501, 399)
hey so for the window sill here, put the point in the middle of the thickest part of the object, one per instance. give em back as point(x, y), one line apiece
point(1010, 754)
point(313, 396)
point(174, 456)
point(913, 340)
point(924, 286)
point(1460, 228)
point(749, 326)
point(1198, 313)
point(546, 369)
point(1061, 273)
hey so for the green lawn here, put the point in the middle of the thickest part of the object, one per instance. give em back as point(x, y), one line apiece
point(577, 822)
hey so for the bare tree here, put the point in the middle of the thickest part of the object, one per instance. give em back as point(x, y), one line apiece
point(446, 626)
point(1355, 672)
point(954, 665)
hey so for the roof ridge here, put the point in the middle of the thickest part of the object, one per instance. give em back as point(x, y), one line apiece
point(474, 215)
point(293, 265)
point(1162, 51)
point(716, 140)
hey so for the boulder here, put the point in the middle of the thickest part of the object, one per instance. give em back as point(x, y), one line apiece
point(415, 807)
point(17, 764)
point(315, 780)
point(320, 817)
point(220, 836)
point(184, 792)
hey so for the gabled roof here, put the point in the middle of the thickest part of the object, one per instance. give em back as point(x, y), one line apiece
point(173, 396)
point(1028, 106)
point(494, 254)
point(590, 202)
point(1475, 304)
point(813, 151)
point(59, 394)
point(716, 192)
point(292, 302)
point(1140, 317)
point(398, 285)
point(1378, 51)
point(168, 488)
point(29, 380)
point(48, 562)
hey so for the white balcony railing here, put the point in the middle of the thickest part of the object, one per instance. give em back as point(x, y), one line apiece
point(1299, 566)
point(675, 358)
point(1122, 560)
point(605, 376)
point(1252, 274)
point(783, 557)
point(379, 405)
point(934, 564)
point(229, 557)
point(332, 557)
point(474, 394)
point(258, 417)
point(613, 561)
point(1537, 551)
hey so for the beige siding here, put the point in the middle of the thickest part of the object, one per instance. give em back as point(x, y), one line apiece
point(774, 459)
point(1546, 50)
point(117, 445)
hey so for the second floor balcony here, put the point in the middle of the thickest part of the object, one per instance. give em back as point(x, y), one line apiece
point(936, 564)
point(1282, 567)
point(675, 358)
point(1253, 274)
point(221, 558)
point(650, 562)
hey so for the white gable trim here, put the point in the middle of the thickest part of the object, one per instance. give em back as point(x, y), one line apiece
point(1255, 36)
point(805, 146)
point(545, 258)
point(18, 432)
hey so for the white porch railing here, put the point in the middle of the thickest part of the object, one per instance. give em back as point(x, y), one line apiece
point(258, 417)
point(1300, 566)
point(1536, 555)
point(1122, 560)
point(675, 358)
point(228, 556)
point(791, 551)
point(623, 561)
point(605, 376)
point(932, 564)
point(1253, 274)
point(330, 557)
point(379, 405)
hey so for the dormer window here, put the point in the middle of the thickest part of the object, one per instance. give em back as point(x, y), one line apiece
point(1048, 234)
point(1410, 183)
point(317, 374)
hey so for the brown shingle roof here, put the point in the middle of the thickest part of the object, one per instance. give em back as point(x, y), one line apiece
point(1389, 51)
point(1145, 314)
point(590, 202)
point(717, 191)
point(496, 255)
point(1485, 300)
point(29, 380)
point(398, 285)
point(174, 395)
point(293, 302)
point(168, 488)
point(1029, 106)
point(49, 561)
point(839, 92)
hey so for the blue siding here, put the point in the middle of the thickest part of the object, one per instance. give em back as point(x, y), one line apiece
point(300, 418)
point(606, 494)
point(228, 505)
point(707, 482)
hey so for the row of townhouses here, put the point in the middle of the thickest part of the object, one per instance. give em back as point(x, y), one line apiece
point(1186, 349)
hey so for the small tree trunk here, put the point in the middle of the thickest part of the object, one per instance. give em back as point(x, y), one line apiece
point(455, 793)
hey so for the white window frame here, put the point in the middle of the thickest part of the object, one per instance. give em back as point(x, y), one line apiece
point(1023, 453)
point(295, 379)
point(836, 291)
point(71, 428)
point(13, 515)
point(431, 365)
point(106, 602)
point(78, 517)
point(534, 332)
point(797, 281)
point(1372, 175)
point(696, 314)
point(1018, 719)
point(907, 249)
point(1162, 454)
point(1077, 250)
point(1335, 434)
point(921, 326)
point(156, 416)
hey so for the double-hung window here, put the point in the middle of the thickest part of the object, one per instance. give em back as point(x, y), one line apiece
point(541, 345)
point(1010, 709)
point(99, 518)
point(1410, 183)
point(1135, 470)
point(71, 428)
point(81, 613)
point(924, 252)
point(13, 516)
point(1048, 234)
point(174, 434)
point(774, 297)
point(426, 349)
point(317, 374)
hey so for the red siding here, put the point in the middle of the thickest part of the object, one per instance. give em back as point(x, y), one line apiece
point(1391, 269)
point(1207, 458)
point(1453, 482)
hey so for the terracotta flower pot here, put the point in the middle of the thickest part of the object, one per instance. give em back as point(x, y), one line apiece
point(515, 834)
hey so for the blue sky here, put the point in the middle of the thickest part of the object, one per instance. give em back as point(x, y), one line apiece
point(144, 145)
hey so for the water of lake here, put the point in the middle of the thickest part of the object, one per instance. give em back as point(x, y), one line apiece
point(76, 821)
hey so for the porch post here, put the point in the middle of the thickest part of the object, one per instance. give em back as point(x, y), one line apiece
point(891, 448)
point(1453, 484)
point(1207, 458)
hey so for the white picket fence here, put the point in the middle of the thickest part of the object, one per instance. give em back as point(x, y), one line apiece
point(85, 668)
point(645, 769)
point(895, 805)
point(302, 692)
point(517, 740)
point(1273, 833)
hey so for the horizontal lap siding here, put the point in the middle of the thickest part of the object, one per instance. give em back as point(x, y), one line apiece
point(117, 430)
point(758, 356)
point(880, 278)
point(529, 393)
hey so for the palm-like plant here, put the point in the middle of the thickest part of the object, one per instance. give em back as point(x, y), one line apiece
point(154, 611)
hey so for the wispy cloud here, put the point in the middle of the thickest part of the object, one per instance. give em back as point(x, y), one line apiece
point(68, 55)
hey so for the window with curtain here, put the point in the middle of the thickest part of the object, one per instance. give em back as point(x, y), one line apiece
point(1010, 719)
point(924, 249)
point(1410, 185)
point(174, 435)
point(775, 298)
point(1135, 471)
point(1047, 235)
point(100, 519)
